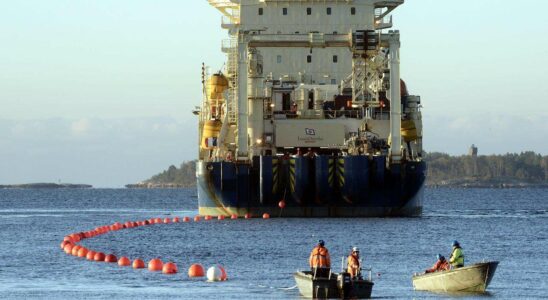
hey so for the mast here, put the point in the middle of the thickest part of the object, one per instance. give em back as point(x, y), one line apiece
point(395, 96)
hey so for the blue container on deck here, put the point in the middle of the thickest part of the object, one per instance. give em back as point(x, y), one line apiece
point(379, 169)
point(266, 180)
point(354, 178)
point(229, 183)
point(243, 191)
point(325, 178)
point(299, 169)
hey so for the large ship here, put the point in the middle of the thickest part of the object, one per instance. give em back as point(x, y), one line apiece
point(309, 117)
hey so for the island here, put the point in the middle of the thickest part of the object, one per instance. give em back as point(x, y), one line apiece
point(46, 186)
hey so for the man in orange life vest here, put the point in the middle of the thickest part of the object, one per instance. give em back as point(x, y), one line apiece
point(440, 265)
point(320, 262)
point(354, 268)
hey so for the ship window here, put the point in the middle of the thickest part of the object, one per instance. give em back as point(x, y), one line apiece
point(335, 59)
point(284, 11)
point(352, 10)
point(329, 10)
point(279, 59)
point(309, 11)
point(260, 11)
point(309, 58)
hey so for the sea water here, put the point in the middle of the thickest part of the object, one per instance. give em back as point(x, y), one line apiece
point(260, 256)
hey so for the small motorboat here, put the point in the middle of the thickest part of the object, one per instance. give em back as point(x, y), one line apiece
point(334, 286)
point(471, 279)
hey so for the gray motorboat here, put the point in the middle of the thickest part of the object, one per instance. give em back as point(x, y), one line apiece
point(473, 279)
point(335, 286)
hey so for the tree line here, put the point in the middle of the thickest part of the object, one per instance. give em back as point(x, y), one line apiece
point(526, 166)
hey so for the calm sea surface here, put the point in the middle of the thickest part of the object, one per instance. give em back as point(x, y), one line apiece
point(510, 226)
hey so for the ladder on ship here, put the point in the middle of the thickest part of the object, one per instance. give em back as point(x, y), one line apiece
point(232, 75)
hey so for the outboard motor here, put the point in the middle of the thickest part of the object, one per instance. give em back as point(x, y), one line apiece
point(344, 284)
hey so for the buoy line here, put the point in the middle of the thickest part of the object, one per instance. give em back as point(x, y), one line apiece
point(71, 247)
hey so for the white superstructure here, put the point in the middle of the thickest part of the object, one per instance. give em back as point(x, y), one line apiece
point(308, 74)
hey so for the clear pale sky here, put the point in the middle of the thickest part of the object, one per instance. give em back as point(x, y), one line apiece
point(101, 92)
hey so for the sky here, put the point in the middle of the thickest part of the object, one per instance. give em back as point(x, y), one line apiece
point(101, 92)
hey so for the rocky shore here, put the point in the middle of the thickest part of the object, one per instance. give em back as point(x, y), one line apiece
point(151, 185)
point(486, 183)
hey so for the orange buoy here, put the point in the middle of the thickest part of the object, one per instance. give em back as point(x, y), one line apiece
point(266, 216)
point(248, 216)
point(157, 221)
point(281, 204)
point(87, 234)
point(220, 217)
point(111, 258)
point(196, 270)
point(128, 224)
point(135, 224)
point(176, 220)
point(75, 249)
point(186, 219)
point(207, 218)
point(196, 218)
point(155, 265)
point(75, 237)
point(99, 256)
point(141, 223)
point(82, 252)
point(223, 273)
point(68, 248)
point(113, 227)
point(69, 239)
point(234, 216)
point(124, 261)
point(169, 268)
point(90, 255)
point(138, 264)
point(167, 220)
point(64, 243)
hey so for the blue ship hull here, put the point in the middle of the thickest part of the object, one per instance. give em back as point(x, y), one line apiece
point(322, 186)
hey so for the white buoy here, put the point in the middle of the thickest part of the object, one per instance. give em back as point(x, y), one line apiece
point(214, 274)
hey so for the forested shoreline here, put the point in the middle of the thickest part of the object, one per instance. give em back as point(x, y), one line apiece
point(526, 169)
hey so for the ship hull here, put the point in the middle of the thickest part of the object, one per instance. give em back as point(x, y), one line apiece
point(311, 187)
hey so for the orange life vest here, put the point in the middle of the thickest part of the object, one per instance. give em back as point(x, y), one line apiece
point(319, 258)
point(439, 266)
point(353, 265)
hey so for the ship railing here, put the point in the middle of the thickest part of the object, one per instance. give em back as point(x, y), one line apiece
point(228, 45)
point(229, 22)
point(318, 114)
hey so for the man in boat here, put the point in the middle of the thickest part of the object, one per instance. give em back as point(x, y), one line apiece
point(457, 257)
point(354, 268)
point(440, 265)
point(320, 262)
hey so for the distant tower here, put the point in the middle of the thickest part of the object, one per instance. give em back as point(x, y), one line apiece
point(473, 151)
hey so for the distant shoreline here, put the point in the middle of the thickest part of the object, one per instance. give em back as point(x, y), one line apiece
point(458, 185)
point(46, 186)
